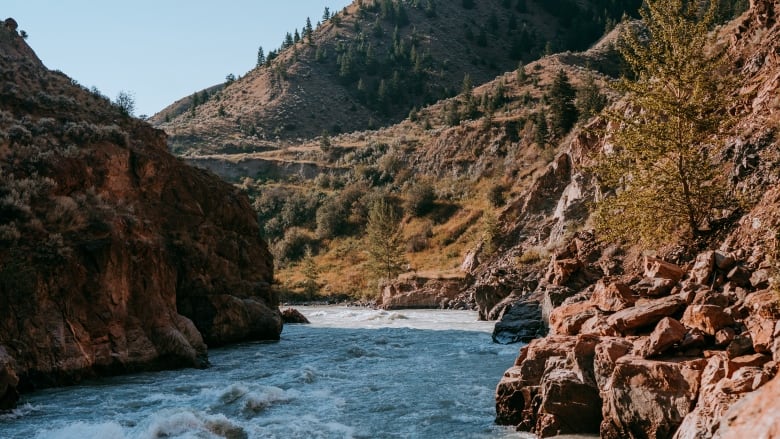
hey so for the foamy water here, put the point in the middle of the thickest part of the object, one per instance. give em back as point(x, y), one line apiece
point(352, 373)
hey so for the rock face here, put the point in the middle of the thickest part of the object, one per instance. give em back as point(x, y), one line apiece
point(115, 256)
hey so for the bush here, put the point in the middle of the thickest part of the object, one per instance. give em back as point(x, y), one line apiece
point(420, 199)
point(293, 246)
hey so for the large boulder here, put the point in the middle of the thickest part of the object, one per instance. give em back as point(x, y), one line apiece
point(647, 313)
point(649, 399)
point(420, 292)
point(612, 297)
point(755, 416)
point(521, 321)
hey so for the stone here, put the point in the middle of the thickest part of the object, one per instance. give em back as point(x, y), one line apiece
point(744, 380)
point(511, 398)
point(647, 314)
point(755, 416)
point(655, 267)
point(709, 297)
point(740, 276)
point(568, 319)
point(741, 345)
point(706, 318)
point(703, 268)
point(725, 336)
point(724, 261)
point(562, 270)
point(654, 287)
point(567, 405)
point(520, 322)
point(418, 292)
point(763, 315)
point(612, 297)
point(760, 279)
point(694, 338)
point(606, 354)
point(647, 398)
point(293, 316)
point(666, 334)
point(737, 363)
point(598, 325)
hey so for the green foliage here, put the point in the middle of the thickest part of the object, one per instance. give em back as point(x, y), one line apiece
point(420, 199)
point(590, 100)
point(384, 241)
point(663, 165)
point(260, 57)
point(125, 101)
point(293, 246)
point(490, 232)
point(563, 113)
point(310, 272)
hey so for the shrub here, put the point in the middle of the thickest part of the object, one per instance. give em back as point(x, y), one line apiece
point(293, 246)
point(420, 199)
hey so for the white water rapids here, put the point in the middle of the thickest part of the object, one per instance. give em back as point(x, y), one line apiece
point(352, 373)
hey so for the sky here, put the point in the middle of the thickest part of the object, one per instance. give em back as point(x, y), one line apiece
point(157, 50)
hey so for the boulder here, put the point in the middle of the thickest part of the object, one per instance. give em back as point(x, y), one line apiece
point(655, 267)
point(654, 287)
point(706, 318)
point(649, 399)
point(419, 292)
point(646, 314)
point(755, 416)
point(612, 297)
point(762, 319)
point(737, 363)
point(724, 261)
point(740, 276)
point(568, 319)
point(521, 321)
point(567, 405)
point(563, 269)
point(512, 397)
point(606, 354)
point(703, 268)
point(666, 334)
point(293, 316)
point(760, 279)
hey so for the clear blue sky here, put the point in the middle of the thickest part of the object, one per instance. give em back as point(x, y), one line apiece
point(158, 50)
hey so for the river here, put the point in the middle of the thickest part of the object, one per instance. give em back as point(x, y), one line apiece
point(352, 373)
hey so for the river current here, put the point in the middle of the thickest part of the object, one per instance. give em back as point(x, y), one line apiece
point(352, 373)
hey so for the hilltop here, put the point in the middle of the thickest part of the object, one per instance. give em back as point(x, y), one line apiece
point(370, 64)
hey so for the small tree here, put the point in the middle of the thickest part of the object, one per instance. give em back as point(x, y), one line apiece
point(125, 101)
point(563, 113)
point(260, 56)
point(663, 166)
point(310, 272)
point(384, 241)
point(590, 99)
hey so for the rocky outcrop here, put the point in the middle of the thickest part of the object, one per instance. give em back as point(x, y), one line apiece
point(115, 256)
point(652, 366)
point(422, 292)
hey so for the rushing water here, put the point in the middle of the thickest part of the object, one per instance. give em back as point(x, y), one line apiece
point(352, 373)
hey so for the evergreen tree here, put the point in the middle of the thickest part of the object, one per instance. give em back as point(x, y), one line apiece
point(541, 132)
point(521, 75)
point(296, 37)
point(288, 40)
point(384, 241)
point(308, 31)
point(326, 14)
point(260, 56)
point(310, 272)
point(563, 113)
point(590, 99)
point(663, 166)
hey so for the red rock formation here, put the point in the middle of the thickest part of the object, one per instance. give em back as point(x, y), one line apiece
point(115, 255)
point(420, 292)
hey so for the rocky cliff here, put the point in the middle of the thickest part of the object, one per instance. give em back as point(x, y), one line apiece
point(115, 255)
point(679, 345)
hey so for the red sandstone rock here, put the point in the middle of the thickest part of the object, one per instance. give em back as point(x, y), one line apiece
point(755, 416)
point(647, 314)
point(655, 267)
point(419, 292)
point(606, 354)
point(762, 319)
point(666, 334)
point(654, 287)
point(706, 318)
point(612, 297)
point(567, 405)
point(646, 398)
point(568, 319)
point(563, 269)
point(703, 268)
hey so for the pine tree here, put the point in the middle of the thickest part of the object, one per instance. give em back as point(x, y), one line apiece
point(260, 56)
point(541, 132)
point(590, 99)
point(563, 113)
point(308, 31)
point(326, 14)
point(663, 168)
point(384, 241)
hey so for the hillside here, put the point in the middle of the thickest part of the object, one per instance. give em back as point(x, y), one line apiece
point(115, 256)
point(373, 62)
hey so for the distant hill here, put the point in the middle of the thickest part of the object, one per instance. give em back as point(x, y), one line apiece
point(368, 65)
